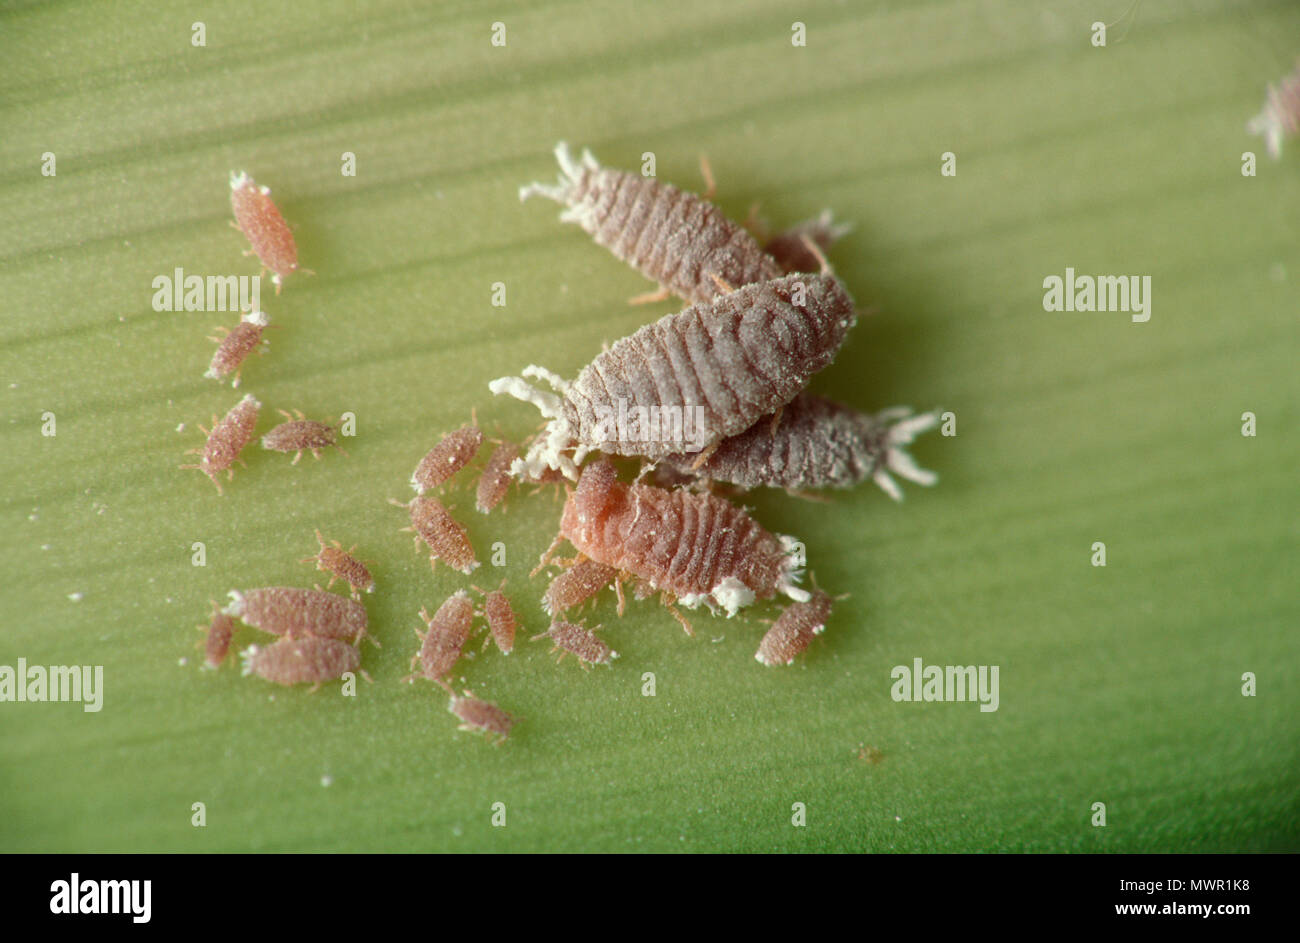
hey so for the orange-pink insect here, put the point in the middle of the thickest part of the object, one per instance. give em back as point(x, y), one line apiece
point(257, 217)
point(236, 345)
point(226, 440)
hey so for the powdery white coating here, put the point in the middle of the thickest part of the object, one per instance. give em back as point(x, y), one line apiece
point(495, 480)
point(576, 585)
point(300, 660)
point(300, 435)
point(340, 564)
point(1281, 113)
point(227, 439)
point(441, 645)
point(257, 217)
point(718, 367)
point(479, 715)
point(501, 619)
point(794, 630)
point(446, 458)
point(219, 633)
point(583, 644)
point(790, 250)
point(698, 548)
point(237, 345)
point(678, 239)
point(817, 443)
point(445, 537)
point(296, 613)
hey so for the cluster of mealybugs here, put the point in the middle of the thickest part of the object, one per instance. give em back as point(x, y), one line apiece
point(764, 315)
point(760, 321)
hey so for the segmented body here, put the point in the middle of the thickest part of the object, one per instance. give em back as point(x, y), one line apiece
point(260, 221)
point(445, 537)
point(300, 435)
point(816, 443)
point(447, 631)
point(576, 585)
point(297, 613)
point(227, 439)
point(698, 548)
point(449, 456)
point(478, 715)
point(495, 480)
point(580, 642)
point(340, 564)
point(680, 240)
point(501, 620)
point(236, 346)
point(692, 378)
point(792, 632)
point(300, 660)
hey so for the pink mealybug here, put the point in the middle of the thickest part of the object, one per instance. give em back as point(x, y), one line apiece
point(226, 440)
point(297, 613)
point(445, 537)
point(501, 619)
point(300, 434)
point(698, 548)
point(678, 239)
point(794, 630)
point(791, 248)
point(495, 480)
point(450, 455)
point(219, 633)
point(582, 643)
point(690, 379)
point(479, 715)
point(340, 564)
point(237, 345)
point(447, 630)
point(257, 217)
point(578, 583)
point(814, 442)
point(301, 660)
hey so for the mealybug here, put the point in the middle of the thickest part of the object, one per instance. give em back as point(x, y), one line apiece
point(692, 378)
point(484, 716)
point(236, 345)
point(258, 219)
point(294, 612)
point(299, 435)
point(814, 442)
point(447, 631)
point(698, 548)
point(678, 239)
point(791, 248)
point(794, 629)
point(449, 456)
point(340, 564)
point(446, 538)
point(496, 478)
point(220, 631)
point(226, 440)
point(571, 639)
point(299, 660)
point(500, 618)
point(576, 585)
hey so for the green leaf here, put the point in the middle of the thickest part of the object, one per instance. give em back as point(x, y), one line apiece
point(1120, 685)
